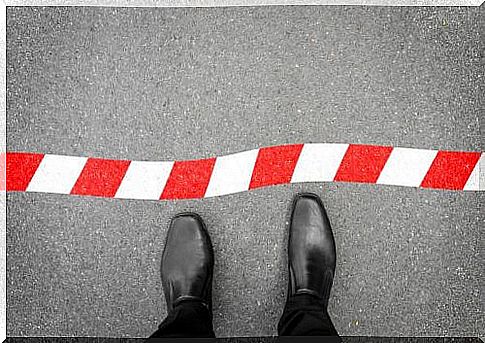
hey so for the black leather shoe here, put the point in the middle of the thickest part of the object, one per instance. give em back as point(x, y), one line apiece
point(187, 262)
point(311, 249)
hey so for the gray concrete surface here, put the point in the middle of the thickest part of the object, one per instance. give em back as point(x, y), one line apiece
point(162, 84)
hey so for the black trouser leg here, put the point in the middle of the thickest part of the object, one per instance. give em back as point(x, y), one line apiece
point(188, 319)
point(306, 315)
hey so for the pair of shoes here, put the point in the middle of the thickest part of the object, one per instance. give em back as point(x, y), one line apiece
point(188, 257)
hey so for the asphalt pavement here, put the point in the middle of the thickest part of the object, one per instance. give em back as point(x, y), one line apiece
point(181, 83)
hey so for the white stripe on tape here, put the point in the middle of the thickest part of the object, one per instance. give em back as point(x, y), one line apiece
point(144, 180)
point(232, 173)
point(476, 180)
point(57, 174)
point(319, 162)
point(406, 167)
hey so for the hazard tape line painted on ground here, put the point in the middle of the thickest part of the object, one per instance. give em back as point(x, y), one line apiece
point(243, 171)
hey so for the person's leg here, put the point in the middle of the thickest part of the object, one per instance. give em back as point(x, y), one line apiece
point(187, 319)
point(311, 261)
point(305, 315)
point(186, 270)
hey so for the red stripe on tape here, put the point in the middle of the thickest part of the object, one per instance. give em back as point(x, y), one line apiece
point(3, 175)
point(188, 179)
point(275, 165)
point(450, 170)
point(363, 163)
point(20, 168)
point(100, 177)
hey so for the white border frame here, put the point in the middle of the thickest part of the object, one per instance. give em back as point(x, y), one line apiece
point(228, 3)
point(143, 3)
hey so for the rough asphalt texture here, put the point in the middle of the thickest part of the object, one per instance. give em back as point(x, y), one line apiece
point(164, 84)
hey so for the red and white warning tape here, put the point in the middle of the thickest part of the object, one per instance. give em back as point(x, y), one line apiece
point(452, 170)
